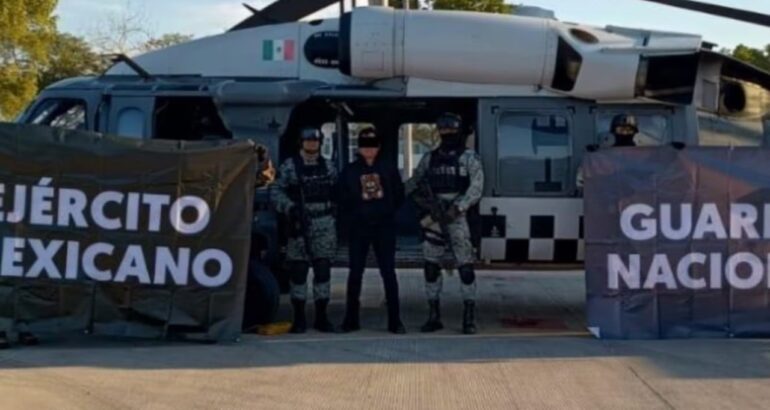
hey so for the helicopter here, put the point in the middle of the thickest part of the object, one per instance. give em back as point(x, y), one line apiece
point(533, 91)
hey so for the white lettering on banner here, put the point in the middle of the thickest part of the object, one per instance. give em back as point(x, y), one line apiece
point(156, 204)
point(667, 226)
point(97, 210)
point(89, 261)
point(642, 222)
point(202, 215)
point(630, 273)
point(133, 264)
point(178, 268)
point(44, 204)
point(72, 206)
point(44, 259)
point(741, 271)
point(743, 219)
point(12, 257)
point(648, 228)
point(684, 275)
point(221, 277)
point(709, 222)
point(19, 205)
point(660, 273)
point(169, 266)
point(73, 250)
point(755, 277)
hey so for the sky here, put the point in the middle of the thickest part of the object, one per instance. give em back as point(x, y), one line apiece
point(207, 17)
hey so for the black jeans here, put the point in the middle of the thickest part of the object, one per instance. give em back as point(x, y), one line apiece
point(381, 237)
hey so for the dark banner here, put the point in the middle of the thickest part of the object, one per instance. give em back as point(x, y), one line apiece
point(678, 242)
point(123, 237)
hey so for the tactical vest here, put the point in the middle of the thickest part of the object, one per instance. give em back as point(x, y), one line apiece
point(446, 175)
point(317, 184)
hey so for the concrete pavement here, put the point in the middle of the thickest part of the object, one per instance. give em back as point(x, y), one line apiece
point(532, 352)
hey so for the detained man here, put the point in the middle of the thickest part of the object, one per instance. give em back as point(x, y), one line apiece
point(371, 192)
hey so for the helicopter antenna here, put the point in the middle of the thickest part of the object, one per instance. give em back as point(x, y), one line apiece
point(122, 58)
point(716, 10)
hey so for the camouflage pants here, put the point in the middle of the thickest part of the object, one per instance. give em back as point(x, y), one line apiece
point(436, 251)
point(323, 242)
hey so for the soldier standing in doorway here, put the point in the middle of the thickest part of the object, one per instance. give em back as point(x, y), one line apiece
point(446, 184)
point(304, 192)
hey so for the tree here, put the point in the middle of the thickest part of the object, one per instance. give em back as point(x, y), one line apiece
point(27, 29)
point(755, 56)
point(399, 4)
point(487, 6)
point(70, 56)
point(166, 40)
point(128, 32)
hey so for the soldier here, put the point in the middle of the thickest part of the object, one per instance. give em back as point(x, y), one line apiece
point(624, 129)
point(304, 193)
point(452, 173)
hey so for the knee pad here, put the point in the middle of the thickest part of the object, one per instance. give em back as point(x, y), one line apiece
point(299, 271)
point(322, 270)
point(432, 272)
point(467, 274)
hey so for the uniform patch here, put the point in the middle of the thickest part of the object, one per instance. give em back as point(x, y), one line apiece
point(371, 187)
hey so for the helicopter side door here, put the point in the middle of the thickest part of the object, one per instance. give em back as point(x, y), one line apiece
point(130, 114)
point(531, 149)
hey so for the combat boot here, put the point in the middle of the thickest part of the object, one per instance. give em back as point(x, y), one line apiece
point(351, 323)
point(28, 339)
point(4, 343)
point(434, 318)
point(322, 323)
point(300, 324)
point(469, 318)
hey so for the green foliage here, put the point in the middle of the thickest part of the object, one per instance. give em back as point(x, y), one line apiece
point(27, 29)
point(487, 6)
point(399, 4)
point(166, 40)
point(755, 56)
point(70, 56)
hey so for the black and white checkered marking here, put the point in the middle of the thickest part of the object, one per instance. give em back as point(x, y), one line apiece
point(517, 230)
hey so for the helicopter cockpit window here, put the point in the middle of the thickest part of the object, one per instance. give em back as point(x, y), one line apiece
point(534, 153)
point(719, 131)
point(189, 119)
point(131, 123)
point(61, 113)
point(654, 129)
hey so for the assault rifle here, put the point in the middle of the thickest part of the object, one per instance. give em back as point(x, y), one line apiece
point(436, 211)
point(301, 226)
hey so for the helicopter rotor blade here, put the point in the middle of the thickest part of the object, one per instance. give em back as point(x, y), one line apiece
point(717, 10)
point(282, 11)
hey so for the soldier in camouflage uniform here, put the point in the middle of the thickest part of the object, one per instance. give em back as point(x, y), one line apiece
point(455, 175)
point(309, 179)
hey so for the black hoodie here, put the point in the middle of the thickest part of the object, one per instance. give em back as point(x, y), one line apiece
point(379, 201)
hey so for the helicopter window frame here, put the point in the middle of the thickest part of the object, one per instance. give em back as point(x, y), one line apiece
point(566, 184)
point(54, 106)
